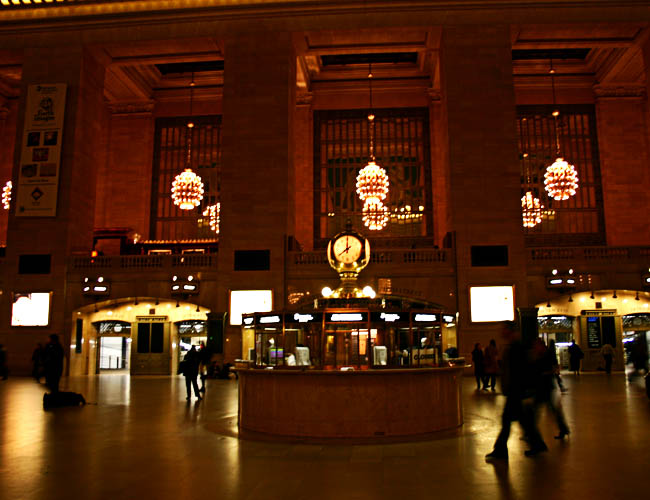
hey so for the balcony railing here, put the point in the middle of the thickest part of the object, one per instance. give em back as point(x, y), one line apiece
point(143, 262)
point(629, 254)
point(433, 256)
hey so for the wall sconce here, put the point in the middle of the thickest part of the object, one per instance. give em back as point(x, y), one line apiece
point(184, 286)
point(96, 286)
point(646, 279)
point(614, 296)
point(570, 298)
point(564, 280)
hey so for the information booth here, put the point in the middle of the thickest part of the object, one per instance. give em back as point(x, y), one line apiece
point(350, 365)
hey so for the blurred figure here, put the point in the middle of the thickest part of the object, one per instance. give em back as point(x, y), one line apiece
point(556, 365)
point(4, 371)
point(575, 356)
point(491, 356)
point(479, 366)
point(37, 362)
point(518, 388)
point(544, 361)
point(205, 358)
point(53, 363)
point(191, 372)
point(639, 355)
point(607, 352)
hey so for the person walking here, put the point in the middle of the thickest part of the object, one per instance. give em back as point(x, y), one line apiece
point(575, 356)
point(190, 372)
point(556, 365)
point(517, 386)
point(53, 363)
point(546, 394)
point(478, 359)
point(491, 356)
point(607, 352)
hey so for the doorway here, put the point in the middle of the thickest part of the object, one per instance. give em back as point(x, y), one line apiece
point(114, 353)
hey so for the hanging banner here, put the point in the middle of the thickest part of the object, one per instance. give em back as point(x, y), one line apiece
point(40, 158)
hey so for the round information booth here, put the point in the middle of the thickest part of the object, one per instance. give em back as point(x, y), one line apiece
point(366, 370)
point(350, 365)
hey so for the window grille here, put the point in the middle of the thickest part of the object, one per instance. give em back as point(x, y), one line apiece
point(168, 222)
point(578, 220)
point(341, 149)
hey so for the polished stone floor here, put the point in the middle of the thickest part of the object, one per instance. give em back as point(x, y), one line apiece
point(140, 439)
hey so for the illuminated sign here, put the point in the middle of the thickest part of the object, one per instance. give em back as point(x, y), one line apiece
point(346, 317)
point(249, 320)
point(270, 319)
point(303, 318)
point(390, 317)
point(31, 309)
point(448, 318)
point(492, 303)
point(426, 317)
point(249, 301)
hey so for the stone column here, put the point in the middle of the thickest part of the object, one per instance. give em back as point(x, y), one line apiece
point(304, 170)
point(484, 177)
point(625, 176)
point(71, 230)
point(257, 190)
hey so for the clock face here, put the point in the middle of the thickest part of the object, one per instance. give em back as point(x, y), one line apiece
point(347, 249)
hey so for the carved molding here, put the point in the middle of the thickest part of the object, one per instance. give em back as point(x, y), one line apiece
point(131, 108)
point(434, 94)
point(619, 91)
point(304, 98)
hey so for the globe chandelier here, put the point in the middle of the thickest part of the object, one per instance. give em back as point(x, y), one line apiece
point(187, 187)
point(561, 178)
point(372, 180)
point(6, 195)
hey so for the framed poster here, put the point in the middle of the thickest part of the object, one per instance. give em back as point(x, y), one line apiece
point(40, 157)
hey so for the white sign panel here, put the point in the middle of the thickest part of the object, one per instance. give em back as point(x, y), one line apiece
point(40, 157)
point(492, 303)
point(249, 301)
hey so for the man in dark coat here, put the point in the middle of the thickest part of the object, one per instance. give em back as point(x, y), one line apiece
point(53, 363)
point(191, 372)
point(575, 356)
point(517, 385)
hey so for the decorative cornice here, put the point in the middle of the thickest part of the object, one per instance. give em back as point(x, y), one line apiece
point(131, 108)
point(304, 98)
point(619, 91)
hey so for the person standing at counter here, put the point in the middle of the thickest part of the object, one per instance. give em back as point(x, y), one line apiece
point(478, 359)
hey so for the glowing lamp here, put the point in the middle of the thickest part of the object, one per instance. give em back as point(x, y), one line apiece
point(6, 195)
point(561, 180)
point(187, 190)
point(375, 214)
point(372, 182)
point(531, 210)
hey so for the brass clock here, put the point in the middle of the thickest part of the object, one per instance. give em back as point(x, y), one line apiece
point(347, 248)
point(348, 251)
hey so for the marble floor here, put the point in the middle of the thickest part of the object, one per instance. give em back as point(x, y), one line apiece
point(139, 438)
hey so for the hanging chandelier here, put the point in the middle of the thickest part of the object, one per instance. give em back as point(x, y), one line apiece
point(531, 210)
point(561, 178)
point(187, 188)
point(372, 180)
point(213, 213)
point(6, 195)
point(375, 214)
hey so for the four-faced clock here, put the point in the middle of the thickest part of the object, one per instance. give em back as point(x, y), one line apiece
point(347, 248)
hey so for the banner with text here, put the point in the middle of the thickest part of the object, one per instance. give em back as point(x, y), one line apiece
point(40, 158)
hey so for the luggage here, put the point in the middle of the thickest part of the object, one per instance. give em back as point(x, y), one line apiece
point(60, 399)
